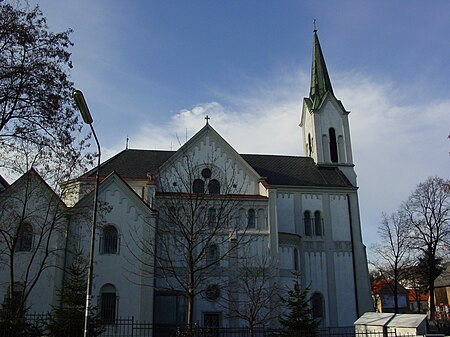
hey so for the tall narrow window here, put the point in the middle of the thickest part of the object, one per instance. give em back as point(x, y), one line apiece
point(212, 217)
point(198, 186)
point(333, 146)
point(24, 238)
point(108, 301)
point(295, 259)
point(212, 254)
point(317, 305)
point(214, 187)
point(308, 226)
point(261, 221)
point(108, 244)
point(251, 223)
point(317, 223)
point(309, 145)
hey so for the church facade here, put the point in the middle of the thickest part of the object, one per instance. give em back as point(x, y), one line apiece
point(190, 234)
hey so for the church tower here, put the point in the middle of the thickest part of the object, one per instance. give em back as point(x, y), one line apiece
point(324, 121)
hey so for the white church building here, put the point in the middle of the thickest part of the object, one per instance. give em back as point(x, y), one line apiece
point(192, 220)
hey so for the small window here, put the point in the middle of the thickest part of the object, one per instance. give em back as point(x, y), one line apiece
point(212, 292)
point(17, 293)
point(317, 223)
point(251, 223)
point(212, 254)
point(109, 240)
point(212, 217)
point(198, 186)
point(214, 187)
point(24, 238)
point(308, 226)
point(295, 259)
point(317, 306)
point(108, 300)
point(206, 173)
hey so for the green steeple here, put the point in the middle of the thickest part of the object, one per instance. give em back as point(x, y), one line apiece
point(320, 81)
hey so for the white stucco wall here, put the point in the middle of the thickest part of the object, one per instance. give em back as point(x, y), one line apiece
point(340, 221)
point(345, 294)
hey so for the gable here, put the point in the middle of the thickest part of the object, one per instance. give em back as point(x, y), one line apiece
point(207, 151)
point(114, 185)
point(36, 187)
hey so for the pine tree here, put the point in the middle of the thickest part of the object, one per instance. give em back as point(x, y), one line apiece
point(67, 319)
point(298, 320)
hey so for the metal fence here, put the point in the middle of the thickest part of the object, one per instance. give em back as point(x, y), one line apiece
point(129, 327)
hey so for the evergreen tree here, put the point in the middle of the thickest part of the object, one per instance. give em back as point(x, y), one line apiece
point(67, 319)
point(298, 321)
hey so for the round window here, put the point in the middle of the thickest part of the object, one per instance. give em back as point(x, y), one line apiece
point(212, 292)
point(206, 173)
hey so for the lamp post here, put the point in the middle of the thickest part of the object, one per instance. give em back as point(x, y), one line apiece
point(87, 118)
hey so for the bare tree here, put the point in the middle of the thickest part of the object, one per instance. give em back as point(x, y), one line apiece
point(428, 214)
point(198, 201)
point(257, 291)
point(392, 256)
point(35, 90)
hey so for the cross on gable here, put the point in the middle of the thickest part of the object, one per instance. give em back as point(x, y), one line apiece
point(207, 119)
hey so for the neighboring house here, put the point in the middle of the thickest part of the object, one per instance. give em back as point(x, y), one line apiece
point(442, 295)
point(301, 212)
point(418, 301)
point(384, 299)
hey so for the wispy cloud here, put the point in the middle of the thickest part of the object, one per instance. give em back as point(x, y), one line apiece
point(396, 144)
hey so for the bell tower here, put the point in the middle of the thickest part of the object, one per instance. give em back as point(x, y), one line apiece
point(324, 120)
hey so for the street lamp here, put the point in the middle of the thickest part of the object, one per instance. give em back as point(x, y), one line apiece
point(87, 118)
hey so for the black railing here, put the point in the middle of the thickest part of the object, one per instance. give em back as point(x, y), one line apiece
point(37, 326)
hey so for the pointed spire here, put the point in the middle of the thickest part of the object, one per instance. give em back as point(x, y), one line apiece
point(320, 81)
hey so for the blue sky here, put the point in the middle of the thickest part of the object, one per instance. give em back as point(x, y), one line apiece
point(151, 70)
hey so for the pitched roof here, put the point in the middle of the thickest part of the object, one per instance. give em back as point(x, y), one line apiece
point(277, 169)
point(414, 295)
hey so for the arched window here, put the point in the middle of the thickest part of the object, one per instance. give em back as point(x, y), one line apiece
point(261, 219)
point(212, 217)
point(308, 226)
point(17, 292)
point(24, 238)
point(309, 145)
point(317, 223)
point(341, 149)
point(295, 259)
point(109, 238)
point(251, 223)
point(214, 187)
point(198, 186)
point(212, 254)
point(317, 305)
point(108, 301)
point(333, 146)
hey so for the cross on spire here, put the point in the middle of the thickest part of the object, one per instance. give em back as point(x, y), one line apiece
point(207, 118)
point(314, 25)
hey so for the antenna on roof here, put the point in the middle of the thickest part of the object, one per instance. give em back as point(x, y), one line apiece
point(126, 144)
